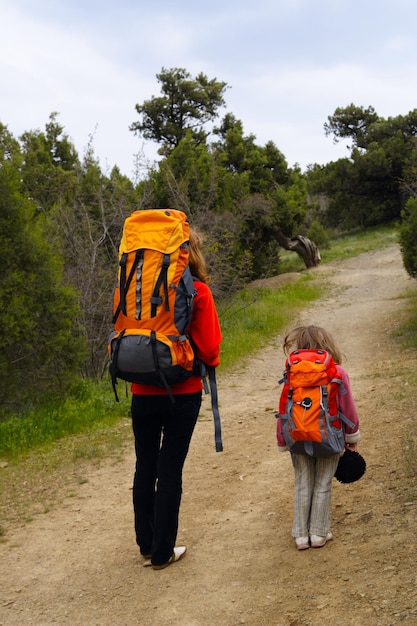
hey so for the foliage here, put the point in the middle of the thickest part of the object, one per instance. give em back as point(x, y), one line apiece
point(230, 264)
point(351, 122)
point(318, 234)
point(48, 165)
point(292, 205)
point(408, 239)
point(366, 189)
point(258, 234)
point(89, 229)
point(42, 347)
point(190, 180)
point(265, 167)
point(185, 105)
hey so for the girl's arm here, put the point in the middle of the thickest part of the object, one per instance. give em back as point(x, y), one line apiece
point(348, 408)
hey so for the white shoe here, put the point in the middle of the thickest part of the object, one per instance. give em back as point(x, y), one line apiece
point(319, 542)
point(302, 543)
point(178, 553)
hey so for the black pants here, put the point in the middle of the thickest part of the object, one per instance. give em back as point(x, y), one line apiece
point(163, 432)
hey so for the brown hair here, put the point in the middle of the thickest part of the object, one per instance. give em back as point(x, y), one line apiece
point(311, 338)
point(196, 260)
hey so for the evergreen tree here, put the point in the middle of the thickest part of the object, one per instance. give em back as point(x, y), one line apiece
point(408, 239)
point(41, 350)
point(186, 105)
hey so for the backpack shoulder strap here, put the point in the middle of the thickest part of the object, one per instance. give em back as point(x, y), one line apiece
point(215, 409)
point(346, 420)
point(125, 282)
point(156, 298)
point(211, 372)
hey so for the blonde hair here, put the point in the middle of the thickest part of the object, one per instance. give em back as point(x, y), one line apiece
point(196, 260)
point(312, 338)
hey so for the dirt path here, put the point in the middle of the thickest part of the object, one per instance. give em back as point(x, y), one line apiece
point(78, 563)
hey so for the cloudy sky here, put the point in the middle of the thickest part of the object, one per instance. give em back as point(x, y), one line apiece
point(288, 65)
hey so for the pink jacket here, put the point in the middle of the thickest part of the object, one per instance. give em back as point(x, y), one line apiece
point(347, 407)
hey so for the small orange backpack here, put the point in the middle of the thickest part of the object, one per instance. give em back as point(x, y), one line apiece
point(312, 423)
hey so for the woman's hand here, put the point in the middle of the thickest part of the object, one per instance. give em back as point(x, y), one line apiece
point(351, 447)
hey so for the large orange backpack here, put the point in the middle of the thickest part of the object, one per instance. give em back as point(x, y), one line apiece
point(153, 300)
point(312, 423)
point(153, 303)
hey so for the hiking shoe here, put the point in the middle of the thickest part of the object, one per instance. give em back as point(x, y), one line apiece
point(302, 543)
point(178, 553)
point(319, 542)
point(146, 560)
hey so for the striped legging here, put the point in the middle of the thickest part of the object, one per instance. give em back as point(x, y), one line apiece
point(312, 494)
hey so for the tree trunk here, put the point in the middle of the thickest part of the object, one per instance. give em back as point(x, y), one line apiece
point(303, 246)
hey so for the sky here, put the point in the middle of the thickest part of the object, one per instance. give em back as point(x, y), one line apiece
point(288, 65)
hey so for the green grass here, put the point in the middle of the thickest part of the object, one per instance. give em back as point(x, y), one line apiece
point(93, 406)
point(254, 316)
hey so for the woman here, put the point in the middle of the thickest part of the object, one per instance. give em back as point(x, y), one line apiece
point(163, 430)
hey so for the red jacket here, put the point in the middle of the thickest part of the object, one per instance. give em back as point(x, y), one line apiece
point(205, 333)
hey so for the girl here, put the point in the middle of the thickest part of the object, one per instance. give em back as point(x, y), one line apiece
point(314, 475)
